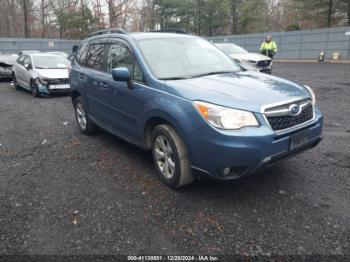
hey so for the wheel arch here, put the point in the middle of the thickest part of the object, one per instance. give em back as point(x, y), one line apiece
point(74, 94)
point(156, 119)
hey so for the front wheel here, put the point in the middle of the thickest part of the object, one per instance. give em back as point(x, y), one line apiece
point(34, 89)
point(170, 157)
point(15, 83)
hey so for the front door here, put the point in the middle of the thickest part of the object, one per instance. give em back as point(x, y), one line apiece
point(127, 103)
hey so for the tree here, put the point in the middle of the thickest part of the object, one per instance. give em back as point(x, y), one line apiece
point(74, 18)
point(254, 13)
point(234, 14)
point(26, 8)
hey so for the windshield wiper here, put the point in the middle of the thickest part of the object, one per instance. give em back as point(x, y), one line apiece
point(174, 78)
point(199, 75)
point(212, 73)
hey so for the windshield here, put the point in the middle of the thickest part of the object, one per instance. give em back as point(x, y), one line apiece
point(184, 57)
point(50, 62)
point(231, 48)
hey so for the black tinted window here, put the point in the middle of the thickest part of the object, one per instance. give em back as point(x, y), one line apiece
point(95, 56)
point(81, 54)
point(27, 60)
point(120, 56)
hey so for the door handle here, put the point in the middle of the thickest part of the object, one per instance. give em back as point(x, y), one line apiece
point(81, 76)
point(104, 86)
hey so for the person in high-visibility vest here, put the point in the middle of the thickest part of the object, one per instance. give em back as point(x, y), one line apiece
point(268, 47)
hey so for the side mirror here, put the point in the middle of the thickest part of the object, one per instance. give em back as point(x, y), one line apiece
point(74, 48)
point(122, 74)
point(27, 66)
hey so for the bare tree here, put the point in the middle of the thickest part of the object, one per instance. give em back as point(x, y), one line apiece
point(25, 9)
point(118, 11)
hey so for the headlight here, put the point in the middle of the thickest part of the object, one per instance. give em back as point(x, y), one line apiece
point(312, 94)
point(224, 117)
point(40, 81)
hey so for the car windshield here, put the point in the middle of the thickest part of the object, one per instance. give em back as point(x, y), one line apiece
point(50, 62)
point(231, 48)
point(184, 57)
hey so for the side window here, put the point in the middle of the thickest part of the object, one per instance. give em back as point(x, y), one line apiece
point(120, 56)
point(27, 60)
point(82, 52)
point(95, 56)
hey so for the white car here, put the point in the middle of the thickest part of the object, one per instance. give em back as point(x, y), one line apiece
point(239, 54)
point(6, 63)
point(41, 73)
point(63, 54)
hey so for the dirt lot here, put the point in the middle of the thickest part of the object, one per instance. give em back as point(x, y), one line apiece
point(62, 192)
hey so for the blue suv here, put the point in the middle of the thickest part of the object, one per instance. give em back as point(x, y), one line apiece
point(182, 98)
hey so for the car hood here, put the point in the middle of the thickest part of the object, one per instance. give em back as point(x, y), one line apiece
point(250, 57)
point(52, 73)
point(242, 90)
point(7, 60)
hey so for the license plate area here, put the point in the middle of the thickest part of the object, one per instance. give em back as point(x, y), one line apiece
point(298, 140)
point(62, 86)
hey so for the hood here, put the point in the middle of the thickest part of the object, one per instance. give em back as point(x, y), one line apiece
point(250, 56)
point(52, 73)
point(242, 90)
point(8, 60)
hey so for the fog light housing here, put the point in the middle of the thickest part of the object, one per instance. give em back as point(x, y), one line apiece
point(226, 171)
point(232, 172)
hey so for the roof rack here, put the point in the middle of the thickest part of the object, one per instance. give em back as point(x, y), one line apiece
point(174, 31)
point(108, 31)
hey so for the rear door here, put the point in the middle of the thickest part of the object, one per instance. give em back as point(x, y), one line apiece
point(95, 82)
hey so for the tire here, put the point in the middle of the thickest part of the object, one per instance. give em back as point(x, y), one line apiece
point(15, 83)
point(84, 123)
point(170, 157)
point(34, 90)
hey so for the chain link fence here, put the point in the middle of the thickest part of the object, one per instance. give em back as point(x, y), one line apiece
point(303, 44)
point(14, 45)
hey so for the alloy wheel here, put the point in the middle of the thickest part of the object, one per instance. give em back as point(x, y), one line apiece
point(81, 116)
point(164, 156)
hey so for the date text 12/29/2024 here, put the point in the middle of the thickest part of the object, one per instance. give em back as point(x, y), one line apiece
point(173, 258)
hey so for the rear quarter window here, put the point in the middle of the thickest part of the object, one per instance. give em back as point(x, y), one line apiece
point(95, 57)
point(82, 53)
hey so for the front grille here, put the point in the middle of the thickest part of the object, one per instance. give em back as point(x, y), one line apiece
point(58, 81)
point(264, 63)
point(280, 122)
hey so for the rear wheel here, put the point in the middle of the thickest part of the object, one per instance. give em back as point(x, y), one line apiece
point(85, 125)
point(170, 157)
point(15, 83)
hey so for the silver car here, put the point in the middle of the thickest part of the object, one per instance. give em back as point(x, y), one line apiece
point(41, 73)
point(6, 63)
point(240, 55)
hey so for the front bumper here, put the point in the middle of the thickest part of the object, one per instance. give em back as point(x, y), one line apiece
point(45, 89)
point(266, 70)
point(246, 151)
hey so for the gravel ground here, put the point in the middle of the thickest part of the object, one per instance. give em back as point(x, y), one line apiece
point(64, 193)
